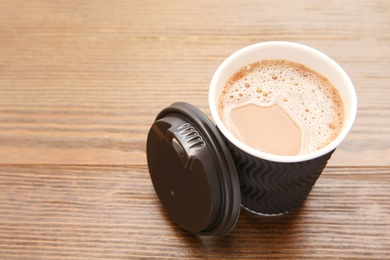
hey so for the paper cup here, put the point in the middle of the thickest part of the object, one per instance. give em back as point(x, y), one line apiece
point(273, 184)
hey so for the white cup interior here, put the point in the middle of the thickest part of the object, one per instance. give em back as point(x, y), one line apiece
point(305, 55)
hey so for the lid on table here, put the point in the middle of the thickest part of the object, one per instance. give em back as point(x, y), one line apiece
point(192, 171)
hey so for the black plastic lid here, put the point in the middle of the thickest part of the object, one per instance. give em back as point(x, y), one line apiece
point(192, 171)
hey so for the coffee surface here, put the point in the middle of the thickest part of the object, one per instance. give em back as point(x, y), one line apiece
point(271, 138)
point(306, 97)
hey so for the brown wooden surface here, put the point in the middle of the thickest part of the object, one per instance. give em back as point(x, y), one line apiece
point(81, 83)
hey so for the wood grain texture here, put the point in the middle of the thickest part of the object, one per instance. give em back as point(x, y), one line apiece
point(82, 81)
point(112, 212)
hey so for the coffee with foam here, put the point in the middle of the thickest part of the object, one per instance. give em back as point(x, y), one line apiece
point(311, 101)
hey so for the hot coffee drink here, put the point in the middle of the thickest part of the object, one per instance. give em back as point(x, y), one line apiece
point(281, 107)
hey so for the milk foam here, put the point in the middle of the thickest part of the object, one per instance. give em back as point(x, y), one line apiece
point(307, 96)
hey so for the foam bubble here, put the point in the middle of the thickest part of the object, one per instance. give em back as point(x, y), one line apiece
point(308, 97)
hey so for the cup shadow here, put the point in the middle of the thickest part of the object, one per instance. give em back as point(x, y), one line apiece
point(252, 236)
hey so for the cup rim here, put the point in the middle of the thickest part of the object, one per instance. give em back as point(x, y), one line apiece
point(268, 156)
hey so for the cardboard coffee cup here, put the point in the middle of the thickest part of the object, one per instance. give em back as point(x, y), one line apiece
point(273, 184)
point(202, 173)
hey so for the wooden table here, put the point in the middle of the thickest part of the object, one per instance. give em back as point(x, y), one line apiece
point(82, 81)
